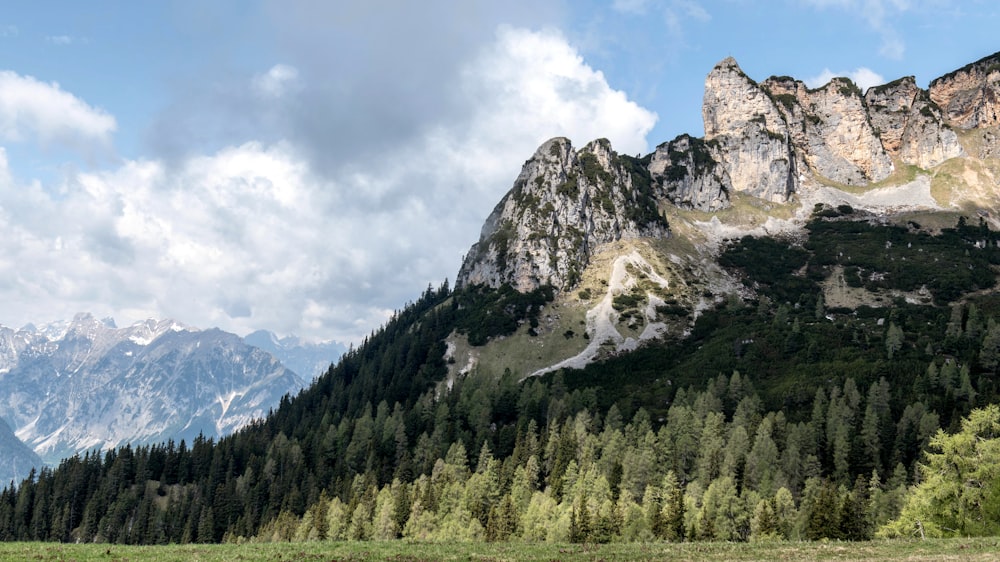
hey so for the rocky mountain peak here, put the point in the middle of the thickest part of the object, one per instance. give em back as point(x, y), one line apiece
point(563, 205)
point(766, 139)
point(749, 134)
point(970, 96)
point(685, 173)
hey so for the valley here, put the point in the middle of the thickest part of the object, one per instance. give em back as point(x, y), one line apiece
point(784, 331)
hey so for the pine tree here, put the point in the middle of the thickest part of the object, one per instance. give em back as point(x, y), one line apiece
point(855, 518)
point(824, 514)
point(673, 508)
point(893, 339)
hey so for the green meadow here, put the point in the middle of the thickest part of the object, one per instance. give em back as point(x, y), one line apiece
point(938, 549)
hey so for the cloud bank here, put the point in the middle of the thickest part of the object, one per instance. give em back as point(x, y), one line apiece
point(269, 233)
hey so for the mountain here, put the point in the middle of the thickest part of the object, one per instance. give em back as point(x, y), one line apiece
point(86, 384)
point(754, 335)
point(307, 359)
point(631, 243)
point(16, 459)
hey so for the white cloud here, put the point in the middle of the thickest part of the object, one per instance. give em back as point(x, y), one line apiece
point(543, 89)
point(45, 112)
point(864, 78)
point(277, 81)
point(255, 236)
point(59, 39)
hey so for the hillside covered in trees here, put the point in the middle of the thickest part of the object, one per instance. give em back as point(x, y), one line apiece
point(779, 417)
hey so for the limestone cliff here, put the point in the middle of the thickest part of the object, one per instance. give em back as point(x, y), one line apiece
point(686, 174)
point(749, 134)
point(910, 125)
point(778, 141)
point(970, 96)
point(564, 204)
point(765, 139)
point(842, 144)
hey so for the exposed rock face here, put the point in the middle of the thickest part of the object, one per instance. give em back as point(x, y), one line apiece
point(830, 130)
point(970, 96)
point(750, 134)
point(766, 134)
point(685, 173)
point(563, 205)
point(889, 106)
point(912, 127)
point(843, 145)
point(762, 140)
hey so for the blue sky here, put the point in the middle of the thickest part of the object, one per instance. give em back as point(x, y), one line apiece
point(309, 166)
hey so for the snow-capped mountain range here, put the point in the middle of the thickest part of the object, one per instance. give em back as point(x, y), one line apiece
point(308, 359)
point(87, 384)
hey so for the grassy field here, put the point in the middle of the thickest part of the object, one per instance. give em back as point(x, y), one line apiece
point(952, 549)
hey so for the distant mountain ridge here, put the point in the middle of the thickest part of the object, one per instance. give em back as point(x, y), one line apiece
point(85, 384)
point(307, 359)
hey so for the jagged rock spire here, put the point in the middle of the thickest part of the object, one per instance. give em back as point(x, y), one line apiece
point(563, 205)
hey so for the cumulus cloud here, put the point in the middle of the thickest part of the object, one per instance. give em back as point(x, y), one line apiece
point(261, 234)
point(542, 83)
point(864, 77)
point(35, 110)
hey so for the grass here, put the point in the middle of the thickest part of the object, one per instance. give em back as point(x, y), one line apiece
point(744, 209)
point(902, 174)
point(913, 550)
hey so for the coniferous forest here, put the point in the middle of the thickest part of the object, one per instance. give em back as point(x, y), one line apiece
point(775, 418)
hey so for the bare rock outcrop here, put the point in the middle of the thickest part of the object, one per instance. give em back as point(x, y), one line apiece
point(563, 205)
point(843, 145)
point(911, 126)
point(830, 130)
point(686, 173)
point(749, 134)
point(970, 96)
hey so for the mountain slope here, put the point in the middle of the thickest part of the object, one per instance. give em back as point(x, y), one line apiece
point(774, 152)
point(16, 458)
point(87, 384)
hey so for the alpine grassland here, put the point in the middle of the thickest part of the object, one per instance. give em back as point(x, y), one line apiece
point(883, 550)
